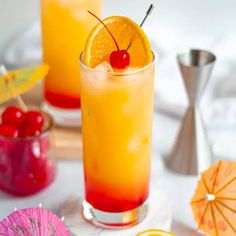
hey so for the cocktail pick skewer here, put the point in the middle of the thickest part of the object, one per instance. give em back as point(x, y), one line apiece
point(148, 13)
point(19, 100)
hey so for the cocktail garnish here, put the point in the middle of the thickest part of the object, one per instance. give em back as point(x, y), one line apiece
point(119, 59)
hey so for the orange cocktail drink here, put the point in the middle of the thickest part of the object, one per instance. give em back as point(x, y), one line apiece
point(117, 115)
point(65, 27)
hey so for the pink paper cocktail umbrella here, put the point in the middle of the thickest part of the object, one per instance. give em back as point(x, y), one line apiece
point(33, 222)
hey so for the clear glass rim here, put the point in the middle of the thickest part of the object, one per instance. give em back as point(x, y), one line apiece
point(125, 73)
point(43, 134)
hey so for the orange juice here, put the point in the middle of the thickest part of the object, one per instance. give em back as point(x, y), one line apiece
point(65, 27)
point(117, 115)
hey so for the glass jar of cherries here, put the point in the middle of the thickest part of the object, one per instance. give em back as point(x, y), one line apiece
point(26, 164)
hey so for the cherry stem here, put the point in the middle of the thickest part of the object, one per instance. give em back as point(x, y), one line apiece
point(117, 46)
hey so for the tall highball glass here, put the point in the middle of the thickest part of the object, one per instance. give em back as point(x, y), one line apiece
point(117, 117)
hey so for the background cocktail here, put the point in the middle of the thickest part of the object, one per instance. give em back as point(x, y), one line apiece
point(65, 27)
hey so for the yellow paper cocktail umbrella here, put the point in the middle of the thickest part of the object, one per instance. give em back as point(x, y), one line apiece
point(14, 83)
point(214, 200)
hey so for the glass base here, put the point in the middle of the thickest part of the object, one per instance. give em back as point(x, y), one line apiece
point(63, 117)
point(114, 220)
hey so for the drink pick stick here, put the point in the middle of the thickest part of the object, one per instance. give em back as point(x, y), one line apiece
point(19, 100)
point(148, 13)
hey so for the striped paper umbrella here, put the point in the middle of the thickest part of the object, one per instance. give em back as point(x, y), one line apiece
point(33, 222)
point(214, 200)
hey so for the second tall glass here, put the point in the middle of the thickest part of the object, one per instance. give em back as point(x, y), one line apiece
point(117, 115)
point(65, 27)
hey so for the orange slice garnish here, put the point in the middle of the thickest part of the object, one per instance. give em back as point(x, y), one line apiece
point(100, 45)
point(155, 232)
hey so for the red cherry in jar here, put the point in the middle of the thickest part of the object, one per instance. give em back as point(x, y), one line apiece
point(12, 116)
point(30, 131)
point(34, 119)
point(119, 59)
point(8, 131)
point(24, 183)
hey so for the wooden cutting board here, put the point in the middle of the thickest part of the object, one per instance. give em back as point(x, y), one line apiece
point(67, 141)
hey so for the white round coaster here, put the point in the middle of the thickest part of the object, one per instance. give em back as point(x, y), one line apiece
point(158, 217)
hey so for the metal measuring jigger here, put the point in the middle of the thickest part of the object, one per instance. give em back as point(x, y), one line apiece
point(191, 153)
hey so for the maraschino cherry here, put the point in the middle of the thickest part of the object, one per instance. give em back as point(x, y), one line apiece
point(33, 123)
point(12, 116)
point(34, 119)
point(8, 131)
point(119, 59)
point(16, 123)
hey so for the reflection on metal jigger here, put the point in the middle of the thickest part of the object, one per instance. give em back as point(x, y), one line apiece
point(191, 153)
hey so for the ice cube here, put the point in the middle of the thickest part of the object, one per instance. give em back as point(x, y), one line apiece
point(102, 71)
point(104, 67)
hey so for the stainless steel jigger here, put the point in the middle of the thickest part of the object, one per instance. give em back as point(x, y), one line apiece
point(191, 153)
